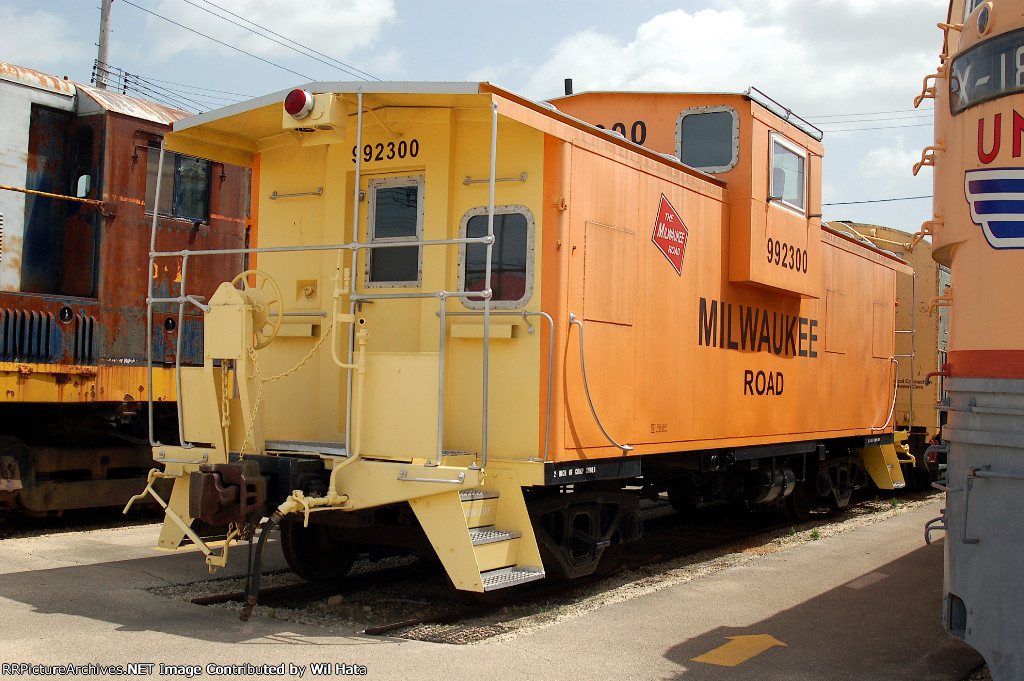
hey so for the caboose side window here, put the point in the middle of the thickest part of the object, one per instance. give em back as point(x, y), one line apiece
point(395, 215)
point(511, 256)
point(708, 138)
point(184, 186)
point(788, 178)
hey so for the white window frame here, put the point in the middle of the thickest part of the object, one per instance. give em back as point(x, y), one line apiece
point(735, 135)
point(509, 209)
point(776, 137)
point(372, 186)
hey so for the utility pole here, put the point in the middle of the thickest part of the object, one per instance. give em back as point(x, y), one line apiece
point(102, 56)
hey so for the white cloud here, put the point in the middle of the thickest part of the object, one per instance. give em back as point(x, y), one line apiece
point(888, 161)
point(337, 28)
point(498, 73)
point(387, 64)
point(814, 57)
point(38, 40)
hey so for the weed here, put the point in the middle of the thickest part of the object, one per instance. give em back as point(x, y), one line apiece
point(815, 535)
point(272, 613)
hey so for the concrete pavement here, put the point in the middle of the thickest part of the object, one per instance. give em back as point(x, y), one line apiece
point(862, 605)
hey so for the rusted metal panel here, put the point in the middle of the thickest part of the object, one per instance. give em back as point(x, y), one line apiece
point(87, 318)
point(34, 78)
point(94, 100)
point(37, 383)
point(60, 237)
point(122, 289)
point(73, 376)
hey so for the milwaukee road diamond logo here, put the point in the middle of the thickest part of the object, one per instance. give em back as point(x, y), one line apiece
point(670, 234)
point(996, 198)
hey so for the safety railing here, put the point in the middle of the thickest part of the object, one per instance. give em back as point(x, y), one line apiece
point(913, 352)
point(355, 299)
point(525, 314)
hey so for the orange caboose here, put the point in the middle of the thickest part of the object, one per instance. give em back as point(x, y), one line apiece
point(527, 302)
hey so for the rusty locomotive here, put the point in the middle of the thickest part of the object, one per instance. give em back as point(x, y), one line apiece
point(77, 194)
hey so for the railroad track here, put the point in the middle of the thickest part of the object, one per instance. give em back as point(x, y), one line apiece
point(414, 600)
point(641, 554)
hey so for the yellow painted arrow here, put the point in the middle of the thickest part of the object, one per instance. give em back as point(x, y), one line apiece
point(739, 649)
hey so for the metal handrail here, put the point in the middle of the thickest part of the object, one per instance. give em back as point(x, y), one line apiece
point(354, 299)
point(440, 382)
point(551, 357)
point(486, 293)
point(352, 246)
point(149, 297)
point(895, 388)
point(573, 321)
point(274, 195)
point(350, 355)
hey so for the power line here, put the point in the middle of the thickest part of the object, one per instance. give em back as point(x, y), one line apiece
point(877, 120)
point(865, 113)
point(219, 42)
point(199, 98)
point(882, 127)
point(196, 87)
point(141, 85)
point(338, 64)
point(902, 198)
point(125, 82)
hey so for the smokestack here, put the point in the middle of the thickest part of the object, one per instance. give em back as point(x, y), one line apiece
point(568, 86)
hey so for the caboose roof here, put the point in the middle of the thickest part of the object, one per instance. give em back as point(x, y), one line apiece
point(88, 99)
point(97, 100)
point(752, 94)
point(233, 134)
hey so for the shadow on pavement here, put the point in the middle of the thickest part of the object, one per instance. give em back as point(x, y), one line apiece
point(884, 625)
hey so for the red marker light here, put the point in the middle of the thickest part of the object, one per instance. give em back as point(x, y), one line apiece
point(298, 104)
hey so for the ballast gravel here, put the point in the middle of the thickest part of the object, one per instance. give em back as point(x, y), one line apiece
point(422, 589)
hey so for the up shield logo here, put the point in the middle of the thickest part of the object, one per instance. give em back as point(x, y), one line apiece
point(996, 198)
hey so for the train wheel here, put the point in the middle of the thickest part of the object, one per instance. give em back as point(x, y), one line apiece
point(314, 554)
point(799, 503)
point(683, 500)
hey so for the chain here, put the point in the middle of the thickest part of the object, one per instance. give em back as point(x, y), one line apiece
point(225, 403)
point(261, 380)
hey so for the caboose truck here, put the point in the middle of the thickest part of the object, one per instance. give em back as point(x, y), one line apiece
point(77, 166)
point(390, 373)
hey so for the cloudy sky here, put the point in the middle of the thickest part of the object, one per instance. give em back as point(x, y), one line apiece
point(852, 67)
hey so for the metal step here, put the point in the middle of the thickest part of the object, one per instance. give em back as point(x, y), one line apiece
point(306, 446)
point(488, 535)
point(476, 494)
point(503, 578)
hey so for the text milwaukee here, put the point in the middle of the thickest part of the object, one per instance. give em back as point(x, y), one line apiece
point(739, 327)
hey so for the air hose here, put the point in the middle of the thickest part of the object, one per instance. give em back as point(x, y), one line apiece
point(252, 585)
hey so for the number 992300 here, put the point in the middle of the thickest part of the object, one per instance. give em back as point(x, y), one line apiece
point(382, 151)
point(787, 255)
